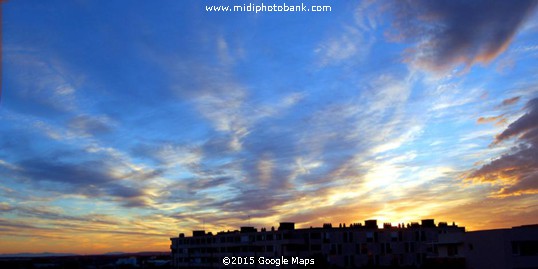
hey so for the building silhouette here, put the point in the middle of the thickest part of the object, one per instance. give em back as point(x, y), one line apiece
point(353, 246)
point(493, 249)
point(414, 245)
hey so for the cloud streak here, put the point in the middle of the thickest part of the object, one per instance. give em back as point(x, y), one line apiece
point(91, 179)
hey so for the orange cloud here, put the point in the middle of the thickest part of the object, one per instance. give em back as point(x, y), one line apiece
point(483, 120)
point(517, 170)
point(510, 101)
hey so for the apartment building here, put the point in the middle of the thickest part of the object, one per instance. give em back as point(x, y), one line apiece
point(514, 248)
point(352, 246)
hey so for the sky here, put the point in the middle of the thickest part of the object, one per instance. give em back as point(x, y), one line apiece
point(124, 123)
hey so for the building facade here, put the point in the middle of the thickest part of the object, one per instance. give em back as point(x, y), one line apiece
point(515, 248)
point(354, 246)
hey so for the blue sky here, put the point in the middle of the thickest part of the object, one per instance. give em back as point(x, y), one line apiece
point(123, 123)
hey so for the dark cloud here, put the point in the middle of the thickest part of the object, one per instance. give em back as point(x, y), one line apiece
point(81, 174)
point(522, 159)
point(518, 169)
point(45, 213)
point(91, 178)
point(124, 192)
point(22, 228)
point(7, 223)
point(134, 202)
point(254, 200)
point(526, 125)
point(206, 183)
point(527, 184)
point(458, 32)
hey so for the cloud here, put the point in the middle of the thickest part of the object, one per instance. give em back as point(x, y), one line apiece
point(90, 125)
point(526, 126)
point(527, 184)
point(42, 212)
point(341, 48)
point(44, 87)
point(17, 225)
point(483, 120)
point(4, 207)
point(90, 178)
point(452, 33)
point(170, 154)
point(207, 183)
point(354, 41)
point(516, 171)
point(313, 159)
point(510, 101)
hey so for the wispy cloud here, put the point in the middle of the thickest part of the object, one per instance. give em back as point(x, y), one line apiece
point(353, 43)
point(41, 80)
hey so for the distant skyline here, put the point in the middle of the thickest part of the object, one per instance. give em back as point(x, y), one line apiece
point(123, 123)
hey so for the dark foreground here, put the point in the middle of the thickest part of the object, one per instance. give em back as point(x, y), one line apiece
point(120, 261)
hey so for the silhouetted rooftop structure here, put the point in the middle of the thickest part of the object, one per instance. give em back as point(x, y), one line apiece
point(348, 246)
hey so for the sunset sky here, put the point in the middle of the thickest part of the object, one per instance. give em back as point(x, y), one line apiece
point(124, 123)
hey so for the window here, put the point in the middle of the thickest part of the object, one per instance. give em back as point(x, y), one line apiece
point(394, 236)
point(364, 248)
point(452, 250)
point(326, 237)
point(389, 249)
point(333, 249)
point(525, 248)
point(369, 237)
